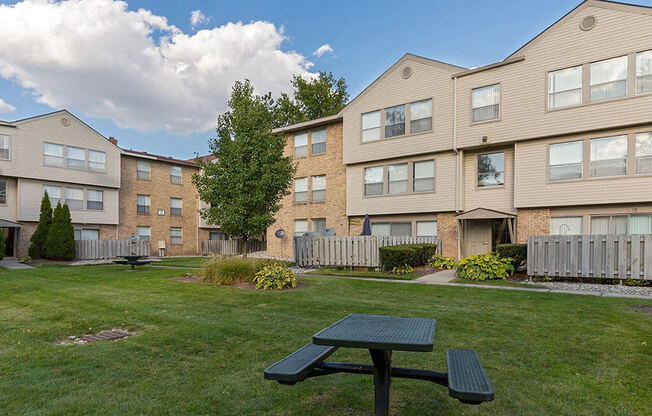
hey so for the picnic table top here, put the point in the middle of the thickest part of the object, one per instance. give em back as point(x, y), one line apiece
point(379, 332)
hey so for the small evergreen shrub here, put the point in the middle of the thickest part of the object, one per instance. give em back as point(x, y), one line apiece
point(401, 270)
point(485, 267)
point(516, 251)
point(228, 270)
point(60, 242)
point(410, 254)
point(440, 262)
point(37, 247)
point(275, 277)
point(3, 245)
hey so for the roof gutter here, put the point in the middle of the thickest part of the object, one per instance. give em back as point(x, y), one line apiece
point(490, 66)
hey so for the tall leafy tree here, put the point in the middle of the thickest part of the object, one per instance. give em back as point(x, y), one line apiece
point(37, 247)
point(60, 243)
point(245, 183)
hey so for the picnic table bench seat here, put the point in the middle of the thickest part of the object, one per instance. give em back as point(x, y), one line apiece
point(298, 365)
point(467, 380)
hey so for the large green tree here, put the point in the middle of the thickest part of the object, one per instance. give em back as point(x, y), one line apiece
point(60, 244)
point(312, 98)
point(37, 247)
point(245, 183)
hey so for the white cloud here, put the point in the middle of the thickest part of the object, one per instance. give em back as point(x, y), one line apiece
point(100, 59)
point(323, 49)
point(5, 107)
point(197, 18)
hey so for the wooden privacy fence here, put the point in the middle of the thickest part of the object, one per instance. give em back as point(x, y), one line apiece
point(230, 247)
point(109, 249)
point(352, 251)
point(618, 256)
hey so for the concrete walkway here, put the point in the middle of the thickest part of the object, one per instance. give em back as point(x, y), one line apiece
point(442, 276)
point(13, 264)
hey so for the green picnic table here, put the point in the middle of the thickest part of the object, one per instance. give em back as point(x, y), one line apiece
point(381, 335)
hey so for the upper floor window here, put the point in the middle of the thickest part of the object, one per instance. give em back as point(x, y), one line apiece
point(426, 228)
point(301, 145)
point(566, 160)
point(565, 225)
point(143, 170)
point(3, 192)
point(94, 200)
point(371, 126)
point(421, 116)
point(176, 235)
point(609, 156)
point(300, 227)
point(96, 161)
point(175, 174)
point(75, 157)
point(565, 87)
point(52, 154)
point(318, 188)
point(373, 179)
point(609, 79)
point(144, 232)
point(142, 204)
point(644, 72)
point(301, 190)
point(54, 193)
point(75, 198)
point(318, 141)
point(4, 146)
point(395, 121)
point(398, 178)
point(491, 169)
point(424, 176)
point(176, 205)
point(644, 152)
point(486, 103)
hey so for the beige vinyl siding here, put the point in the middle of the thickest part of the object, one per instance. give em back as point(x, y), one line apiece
point(8, 211)
point(499, 198)
point(534, 189)
point(202, 222)
point(524, 113)
point(29, 200)
point(27, 151)
point(428, 81)
point(443, 199)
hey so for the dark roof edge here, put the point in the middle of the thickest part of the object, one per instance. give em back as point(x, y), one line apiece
point(490, 66)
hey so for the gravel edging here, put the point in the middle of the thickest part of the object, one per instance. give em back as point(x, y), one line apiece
point(606, 290)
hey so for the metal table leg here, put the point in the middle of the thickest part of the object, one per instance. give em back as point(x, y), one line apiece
point(382, 360)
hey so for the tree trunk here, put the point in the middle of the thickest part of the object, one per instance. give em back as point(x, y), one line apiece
point(244, 248)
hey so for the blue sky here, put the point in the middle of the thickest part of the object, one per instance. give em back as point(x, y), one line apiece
point(366, 38)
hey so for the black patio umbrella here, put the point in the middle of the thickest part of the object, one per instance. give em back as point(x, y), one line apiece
point(366, 226)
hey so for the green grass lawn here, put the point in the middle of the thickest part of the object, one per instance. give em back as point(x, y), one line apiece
point(364, 273)
point(201, 349)
point(493, 283)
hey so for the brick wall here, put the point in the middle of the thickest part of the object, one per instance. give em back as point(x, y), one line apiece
point(107, 232)
point(532, 221)
point(447, 231)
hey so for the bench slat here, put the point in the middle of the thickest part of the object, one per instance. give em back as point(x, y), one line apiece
point(296, 366)
point(467, 380)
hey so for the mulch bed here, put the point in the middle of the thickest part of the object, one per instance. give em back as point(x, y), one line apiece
point(187, 277)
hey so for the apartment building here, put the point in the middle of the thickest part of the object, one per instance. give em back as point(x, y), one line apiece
point(60, 154)
point(317, 199)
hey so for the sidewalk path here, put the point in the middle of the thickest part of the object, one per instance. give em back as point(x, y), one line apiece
point(13, 264)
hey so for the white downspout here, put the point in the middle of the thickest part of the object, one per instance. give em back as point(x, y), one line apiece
point(458, 163)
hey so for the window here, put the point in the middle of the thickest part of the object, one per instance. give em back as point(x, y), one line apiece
point(87, 234)
point(426, 228)
point(175, 206)
point(143, 170)
point(373, 180)
point(486, 103)
point(644, 72)
point(565, 87)
point(424, 176)
point(640, 224)
point(398, 178)
point(644, 152)
point(4, 146)
point(300, 227)
point(318, 225)
point(142, 204)
point(94, 200)
point(395, 121)
point(3, 192)
point(396, 229)
point(175, 174)
point(216, 235)
point(609, 156)
point(144, 232)
point(421, 116)
point(75, 157)
point(96, 161)
point(75, 198)
point(318, 142)
point(371, 126)
point(565, 225)
point(621, 224)
point(609, 79)
point(566, 160)
point(301, 145)
point(491, 169)
point(301, 190)
point(176, 236)
point(52, 154)
point(318, 188)
point(54, 194)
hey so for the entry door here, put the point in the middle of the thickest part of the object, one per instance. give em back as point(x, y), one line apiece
point(477, 237)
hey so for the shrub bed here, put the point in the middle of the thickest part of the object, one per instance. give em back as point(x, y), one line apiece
point(275, 277)
point(443, 263)
point(406, 254)
point(485, 267)
point(518, 252)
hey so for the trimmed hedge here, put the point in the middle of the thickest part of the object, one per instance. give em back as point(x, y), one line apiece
point(410, 254)
point(518, 252)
